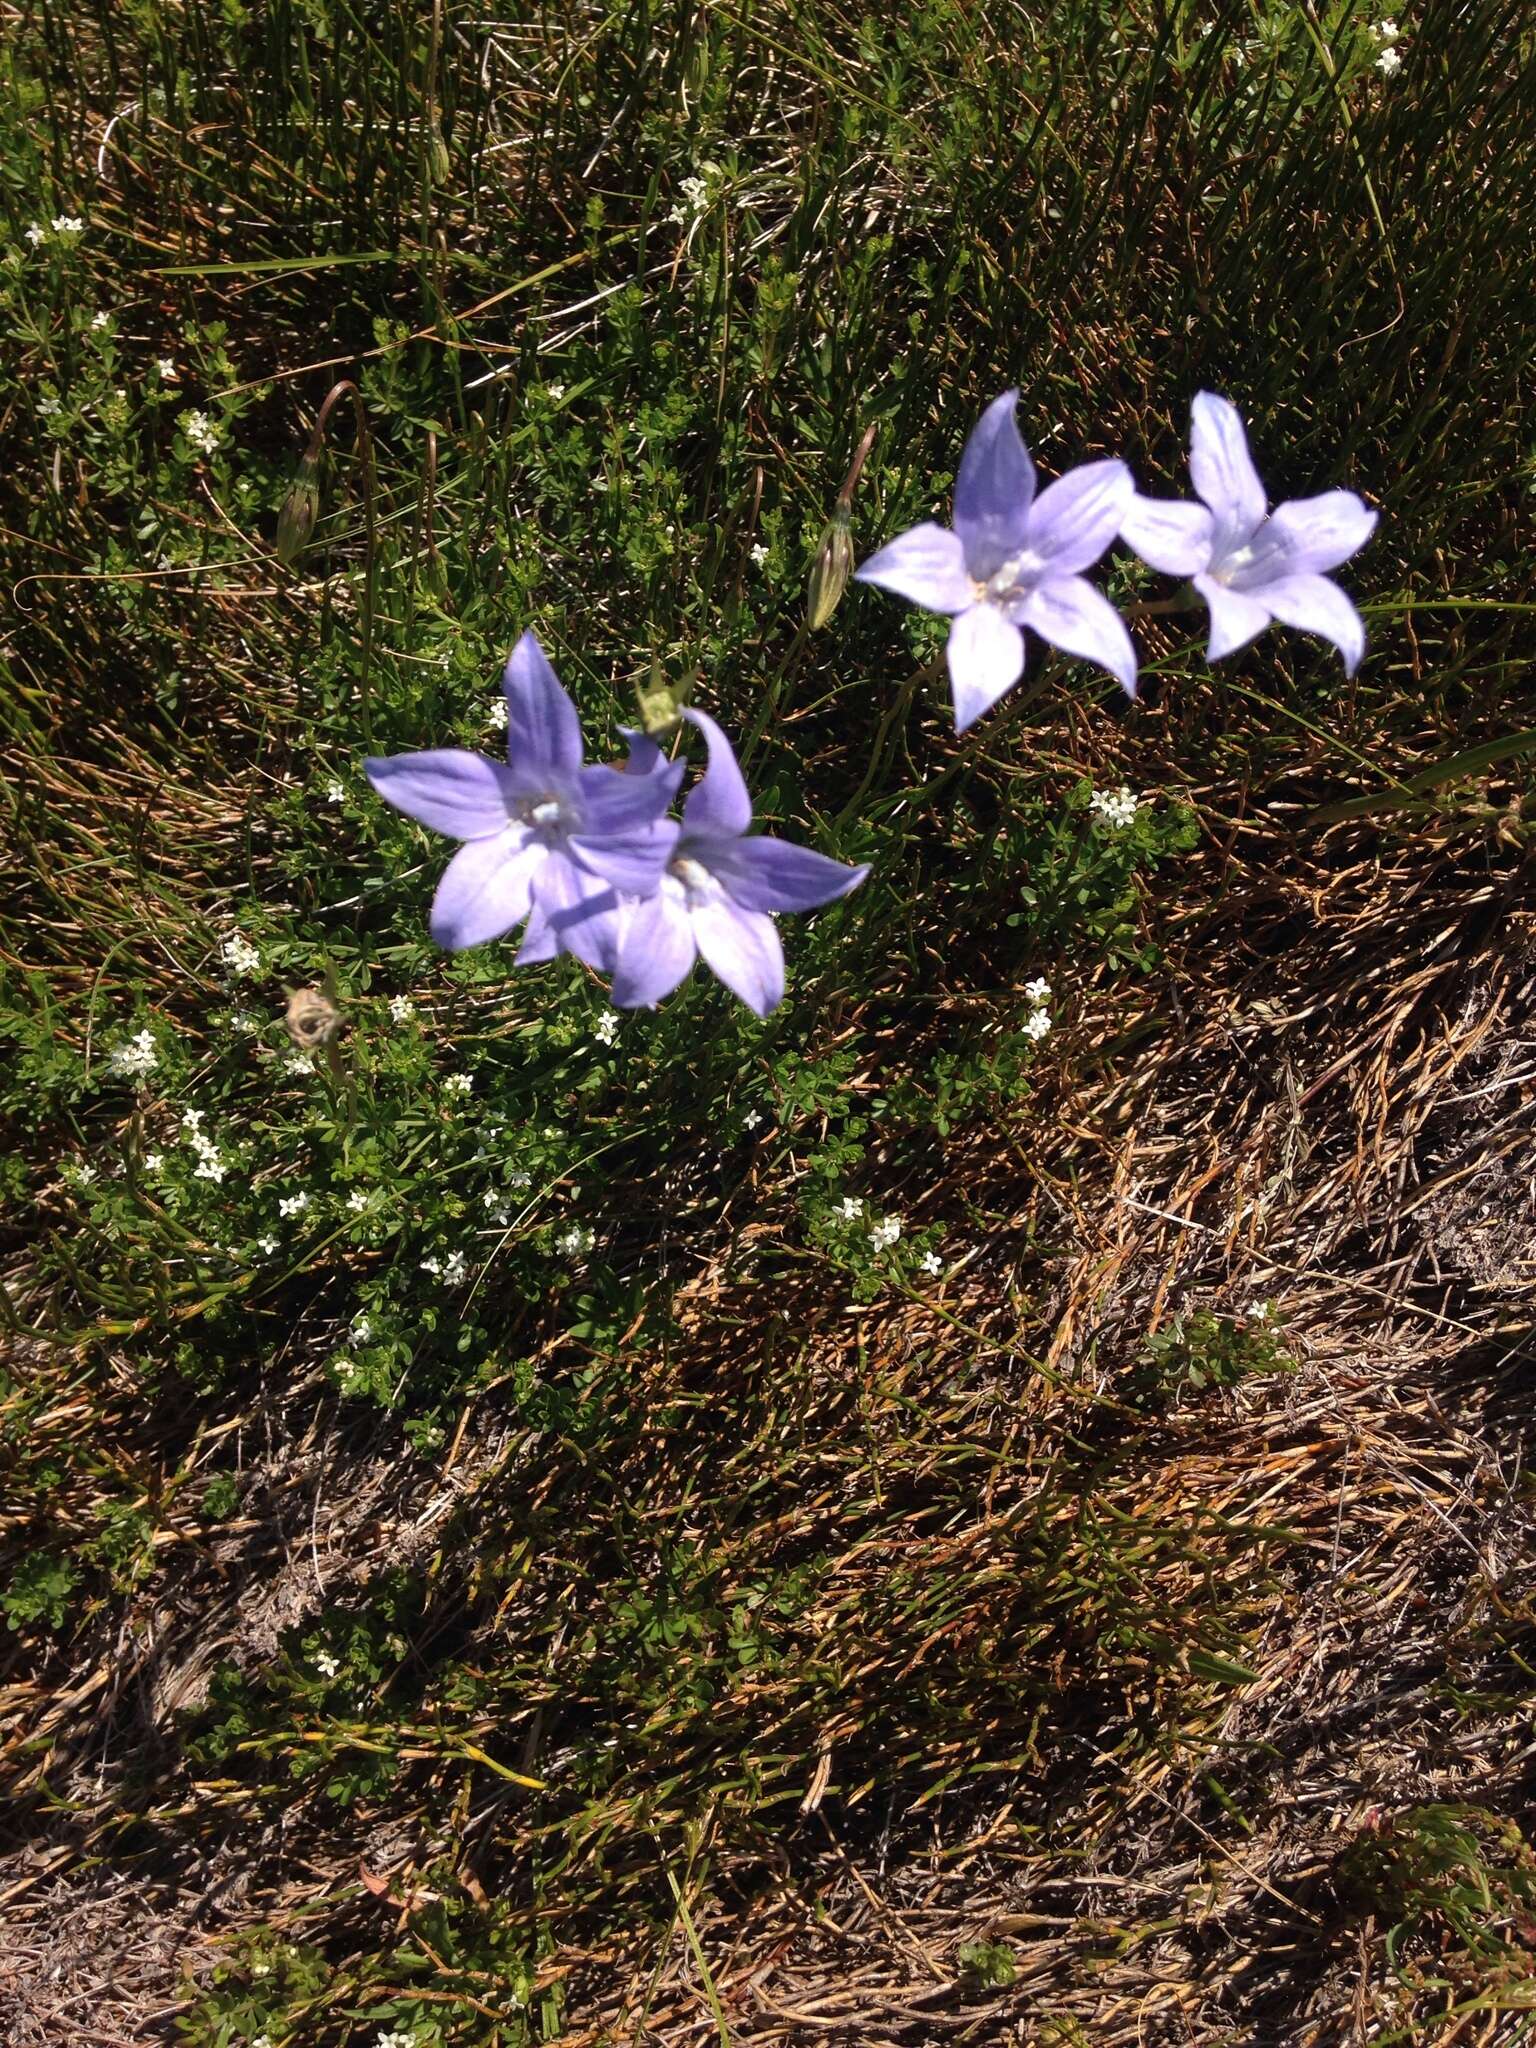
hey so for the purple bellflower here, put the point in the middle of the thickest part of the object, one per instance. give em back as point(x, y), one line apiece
point(1014, 560)
point(546, 836)
point(719, 890)
point(1252, 565)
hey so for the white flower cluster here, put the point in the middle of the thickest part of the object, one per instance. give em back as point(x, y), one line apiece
point(209, 1165)
point(452, 1270)
point(606, 1028)
point(200, 431)
point(1390, 58)
point(695, 199)
point(135, 1059)
point(239, 955)
point(850, 1208)
point(64, 227)
point(401, 1008)
point(885, 1233)
point(759, 555)
point(498, 714)
point(293, 1205)
point(395, 2039)
point(1037, 1024)
point(576, 1242)
point(459, 1084)
point(1116, 807)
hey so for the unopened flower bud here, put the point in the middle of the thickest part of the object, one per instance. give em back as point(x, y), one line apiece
point(661, 704)
point(301, 508)
point(831, 570)
point(312, 1019)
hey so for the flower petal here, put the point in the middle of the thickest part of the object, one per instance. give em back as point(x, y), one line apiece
point(1169, 535)
point(986, 658)
point(1236, 617)
point(926, 564)
point(615, 803)
point(742, 948)
point(461, 794)
point(543, 730)
point(656, 950)
point(772, 874)
point(1075, 617)
point(485, 889)
point(634, 863)
point(1320, 533)
point(645, 757)
point(1223, 469)
point(718, 802)
point(993, 490)
point(1316, 604)
point(1074, 519)
point(580, 911)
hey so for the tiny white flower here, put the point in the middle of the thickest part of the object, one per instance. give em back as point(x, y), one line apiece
point(1260, 1312)
point(431, 1263)
point(576, 1242)
point(459, 1084)
point(334, 793)
point(153, 1161)
point(851, 1208)
point(209, 1167)
point(81, 1172)
point(498, 714)
point(36, 235)
point(759, 554)
point(248, 1022)
point(931, 1263)
point(1037, 1024)
point(1037, 991)
point(357, 1199)
point(556, 392)
point(293, 1205)
point(167, 368)
point(752, 1119)
point(298, 1063)
point(200, 431)
point(520, 1177)
point(68, 224)
point(326, 1664)
point(239, 955)
point(261, 2040)
point(98, 321)
point(455, 1269)
point(885, 1233)
point(193, 1119)
point(1389, 61)
point(360, 1331)
point(1117, 808)
point(401, 1008)
point(1386, 31)
point(135, 1059)
point(268, 1245)
point(48, 407)
point(607, 1027)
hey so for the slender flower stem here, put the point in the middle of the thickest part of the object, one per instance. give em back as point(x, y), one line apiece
point(897, 709)
point(346, 388)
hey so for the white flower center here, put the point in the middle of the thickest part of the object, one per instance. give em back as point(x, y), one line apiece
point(1013, 580)
point(691, 883)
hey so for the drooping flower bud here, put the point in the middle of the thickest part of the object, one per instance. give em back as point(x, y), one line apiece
point(301, 508)
point(831, 569)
